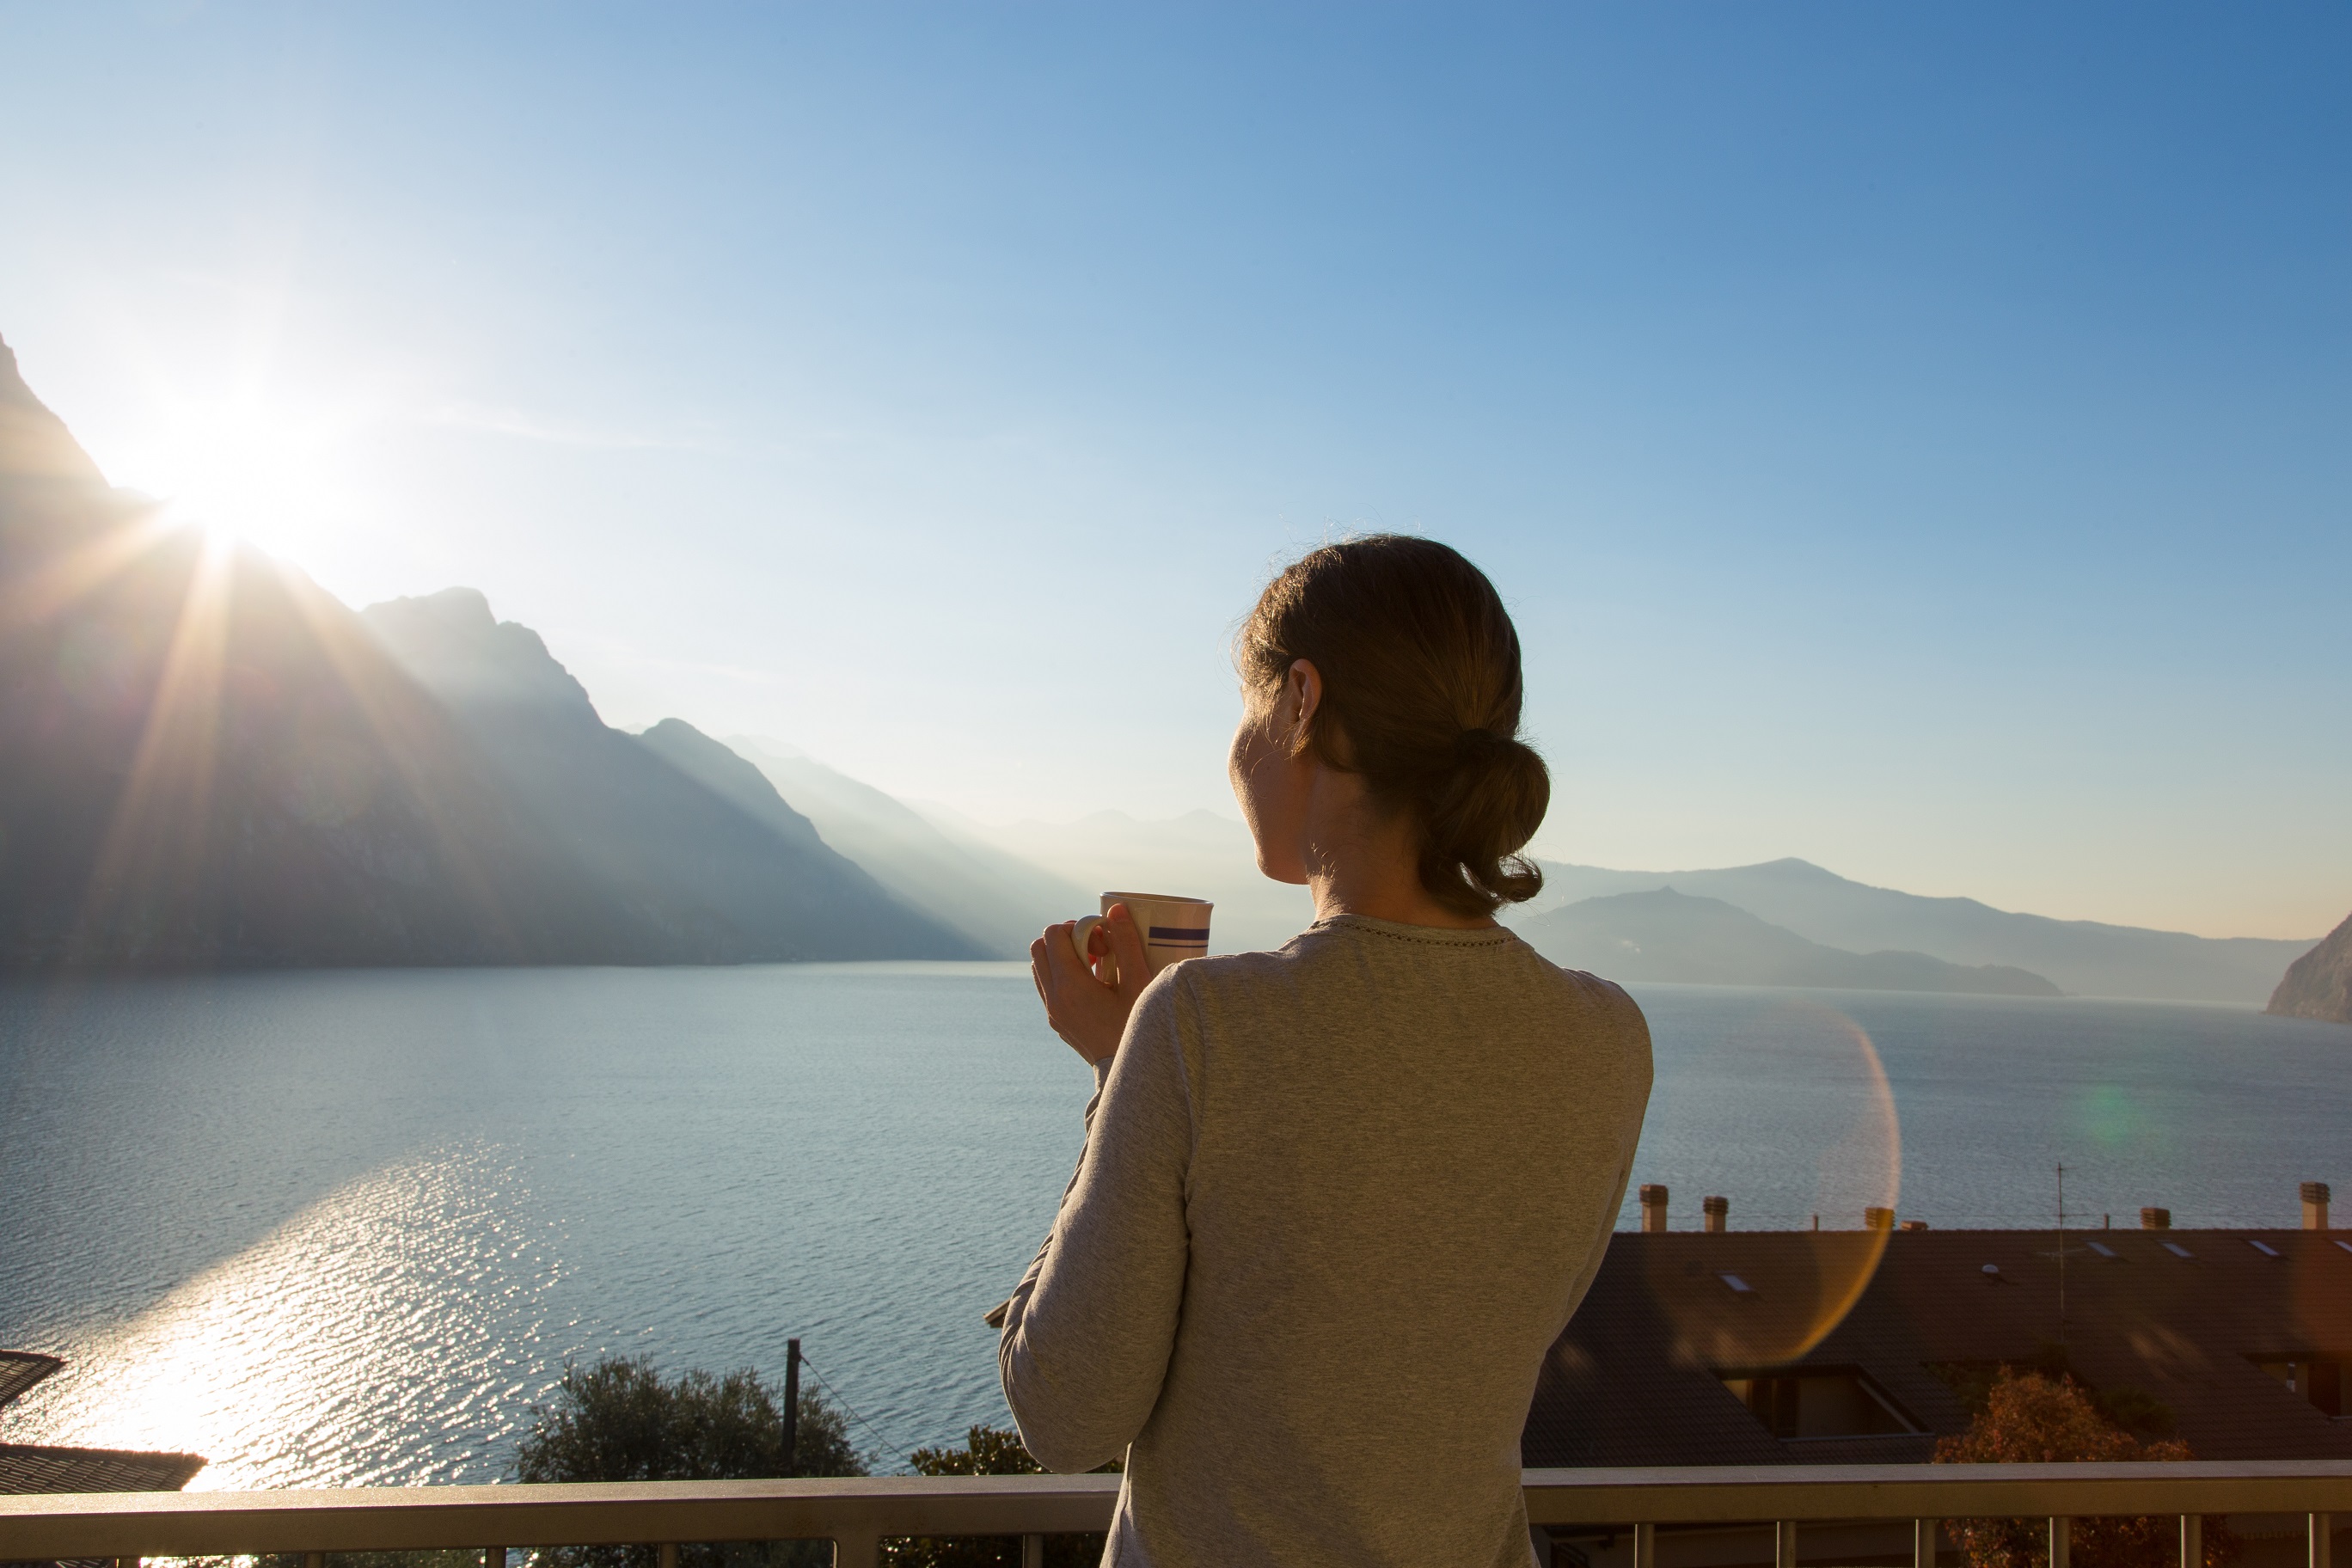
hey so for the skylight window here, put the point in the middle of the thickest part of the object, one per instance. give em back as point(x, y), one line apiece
point(1820, 1403)
point(2178, 1250)
point(2265, 1247)
point(2102, 1248)
point(1738, 1287)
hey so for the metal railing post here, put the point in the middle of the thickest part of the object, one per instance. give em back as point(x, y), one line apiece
point(1784, 1545)
point(2192, 1540)
point(1923, 1542)
point(862, 1551)
point(1645, 1546)
point(2062, 1537)
point(2321, 1526)
point(1032, 1551)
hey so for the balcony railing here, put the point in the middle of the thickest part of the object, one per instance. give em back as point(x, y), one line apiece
point(857, 1514)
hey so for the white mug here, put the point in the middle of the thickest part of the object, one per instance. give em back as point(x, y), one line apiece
point(1173, 928)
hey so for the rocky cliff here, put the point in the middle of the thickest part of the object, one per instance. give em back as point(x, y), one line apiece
point(2319, 984)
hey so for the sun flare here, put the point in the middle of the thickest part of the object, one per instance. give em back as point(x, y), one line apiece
point(251, 469)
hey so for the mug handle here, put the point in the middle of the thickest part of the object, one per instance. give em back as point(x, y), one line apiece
point(1080, 931)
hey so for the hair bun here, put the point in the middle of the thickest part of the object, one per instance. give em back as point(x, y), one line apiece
point(1476, 746)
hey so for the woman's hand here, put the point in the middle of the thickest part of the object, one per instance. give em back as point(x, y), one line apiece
point(1089, 1016)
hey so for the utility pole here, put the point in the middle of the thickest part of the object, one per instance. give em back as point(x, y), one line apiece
point(791, 1407)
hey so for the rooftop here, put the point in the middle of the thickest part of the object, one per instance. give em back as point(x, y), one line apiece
point(1686, 1349)
point(28, 1467)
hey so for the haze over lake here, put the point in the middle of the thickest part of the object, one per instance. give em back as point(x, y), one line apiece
point(346, 1227)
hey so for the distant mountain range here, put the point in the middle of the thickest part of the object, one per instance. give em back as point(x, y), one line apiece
point(997, 900)
point(1667, 935)
point(2081, 957)
point(1199, 854)
point(211, 761)
point(672, 821)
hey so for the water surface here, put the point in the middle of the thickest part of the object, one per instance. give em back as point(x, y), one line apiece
point(346, 1227)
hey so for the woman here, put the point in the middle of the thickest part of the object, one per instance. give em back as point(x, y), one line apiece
point(1336, 1201)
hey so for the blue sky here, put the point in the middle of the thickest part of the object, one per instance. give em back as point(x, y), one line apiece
point(1913, 438)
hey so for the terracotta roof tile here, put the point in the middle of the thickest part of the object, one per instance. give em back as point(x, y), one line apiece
point(19, 1370)
point(25, 1468)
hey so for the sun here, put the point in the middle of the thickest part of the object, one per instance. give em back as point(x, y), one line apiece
point(248, 469)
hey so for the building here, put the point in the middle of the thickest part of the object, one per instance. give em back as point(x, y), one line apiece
point(34, 1468)
point(1724, 1347)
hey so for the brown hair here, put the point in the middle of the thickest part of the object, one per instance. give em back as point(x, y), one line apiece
point(1420, 696)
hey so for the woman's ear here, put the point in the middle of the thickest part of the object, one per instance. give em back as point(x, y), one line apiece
point(1304, 692)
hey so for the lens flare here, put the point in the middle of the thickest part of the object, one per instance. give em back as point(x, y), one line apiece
point(1813, 1077)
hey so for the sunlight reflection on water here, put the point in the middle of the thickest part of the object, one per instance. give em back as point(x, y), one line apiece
point(402, 1306)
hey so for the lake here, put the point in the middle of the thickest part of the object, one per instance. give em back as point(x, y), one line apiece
point(345, 1228)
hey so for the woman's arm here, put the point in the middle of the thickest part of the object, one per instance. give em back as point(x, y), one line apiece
point(1088, 1332)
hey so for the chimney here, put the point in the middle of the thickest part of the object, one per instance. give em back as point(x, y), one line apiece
point(1718, 1213)
point(1654, 1205)
point(1876, 1218)
point(2155, 1219)
point(2315, 1206)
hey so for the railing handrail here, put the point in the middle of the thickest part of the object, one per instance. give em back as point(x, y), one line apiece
point(1724, 1494)
point(863, 1508)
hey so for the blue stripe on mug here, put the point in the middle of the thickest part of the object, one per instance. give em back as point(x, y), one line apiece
point(1180, 933)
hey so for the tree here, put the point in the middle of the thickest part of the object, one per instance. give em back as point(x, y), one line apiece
point(2033, 1417)
point(620, 1421)
point(987, 1451)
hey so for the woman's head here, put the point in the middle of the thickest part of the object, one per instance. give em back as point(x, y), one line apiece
point(1416, 666)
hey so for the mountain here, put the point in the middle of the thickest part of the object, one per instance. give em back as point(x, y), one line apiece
point(673, 822)
point(719, 769)
point(2319, 984)
point(1667, 935)
point(2082, 957)
point(998, 900)
point(211, 761)
point(1200, 855)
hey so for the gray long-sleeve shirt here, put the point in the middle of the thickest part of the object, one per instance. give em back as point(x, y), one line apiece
point(1336, 1203)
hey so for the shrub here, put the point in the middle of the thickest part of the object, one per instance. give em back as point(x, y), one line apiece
point(620, 1421)
point(2031, 1417)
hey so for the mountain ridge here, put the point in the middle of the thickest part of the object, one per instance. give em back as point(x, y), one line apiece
point(214, 763)
point(2085, 958)
point(214, 760)
point(996, 899)
point(690, 832)
point(1664, 935)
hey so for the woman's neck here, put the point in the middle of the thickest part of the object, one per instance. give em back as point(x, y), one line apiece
point(1361, 863)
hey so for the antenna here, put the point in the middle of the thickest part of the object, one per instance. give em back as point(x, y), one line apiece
point(2061, 1256)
